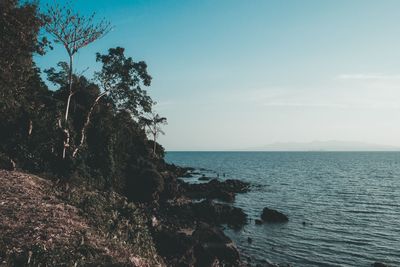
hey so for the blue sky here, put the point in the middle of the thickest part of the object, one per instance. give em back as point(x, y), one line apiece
point(240, 74)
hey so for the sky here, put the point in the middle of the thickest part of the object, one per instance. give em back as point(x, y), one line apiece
point(240, 74)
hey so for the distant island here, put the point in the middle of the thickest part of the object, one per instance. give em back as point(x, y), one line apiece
point(331, 145)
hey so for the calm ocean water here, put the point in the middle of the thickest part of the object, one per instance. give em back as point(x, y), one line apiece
point(350, 202)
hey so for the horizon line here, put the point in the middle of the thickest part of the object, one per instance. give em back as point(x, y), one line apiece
point(282, 151)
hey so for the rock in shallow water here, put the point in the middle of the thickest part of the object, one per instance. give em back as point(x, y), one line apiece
point(214, 189)
point(219, 213)
point(258, 222)
point(379, 264)
point(273, 216)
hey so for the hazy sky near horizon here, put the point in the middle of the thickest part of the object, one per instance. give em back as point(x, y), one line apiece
point(233, 74)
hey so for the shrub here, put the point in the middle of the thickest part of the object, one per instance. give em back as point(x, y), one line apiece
point(146, 186)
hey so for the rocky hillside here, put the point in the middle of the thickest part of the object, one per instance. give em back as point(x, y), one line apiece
point(45, 224)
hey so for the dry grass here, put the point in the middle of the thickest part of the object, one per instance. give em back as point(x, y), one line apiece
point(42, 225)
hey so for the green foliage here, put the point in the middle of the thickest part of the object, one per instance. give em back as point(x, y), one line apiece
point(152, 123)
point(114, 151)
point(25, 101)
point(123, 79)
point(146, 186)
point(115, 216)
point(19, 27)
point(59, 77)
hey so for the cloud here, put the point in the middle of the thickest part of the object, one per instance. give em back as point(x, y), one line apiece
point(368, 76)
point(306, 105)
point(347, 91)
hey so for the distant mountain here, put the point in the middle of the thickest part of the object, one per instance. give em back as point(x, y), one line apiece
point(332, 145)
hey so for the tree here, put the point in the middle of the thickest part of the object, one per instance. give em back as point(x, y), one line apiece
point(153, 122)
point(23, 95)
point(74, 32)
point(19, 28)
point(121, 80)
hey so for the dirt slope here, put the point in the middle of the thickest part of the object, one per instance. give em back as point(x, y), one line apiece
point(41, 224)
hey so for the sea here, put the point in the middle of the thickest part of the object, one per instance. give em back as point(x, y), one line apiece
point(343, 207)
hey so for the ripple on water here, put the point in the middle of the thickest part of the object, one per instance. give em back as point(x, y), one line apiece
point(350, 201)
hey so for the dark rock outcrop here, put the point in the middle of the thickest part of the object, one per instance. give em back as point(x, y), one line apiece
point(213, 246)
point(180, 171)
point(215, 189)
point(266, 263)
point(206, 211)
point(273, 216)
point(176, 248)
point(206, 245)
point(189, 232)
point(214, 213)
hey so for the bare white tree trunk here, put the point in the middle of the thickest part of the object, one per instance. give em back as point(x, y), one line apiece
point(71, 58)
point(87, 122)
point(66, 130)
point(30, 129)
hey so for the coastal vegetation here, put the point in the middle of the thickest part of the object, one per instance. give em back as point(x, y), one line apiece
point(84, 130)
point(84, 181)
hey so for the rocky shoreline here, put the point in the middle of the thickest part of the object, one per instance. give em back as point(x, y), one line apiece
point(190, 222)
point(183, 226)
point(47, 224)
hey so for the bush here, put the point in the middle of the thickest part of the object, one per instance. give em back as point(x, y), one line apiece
point(146, 186)
point(6, 163)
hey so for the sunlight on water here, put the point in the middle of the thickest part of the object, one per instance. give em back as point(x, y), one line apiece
point(349, 201)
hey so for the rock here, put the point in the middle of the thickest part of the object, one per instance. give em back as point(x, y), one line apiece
point(266, 263)
point(171, 188)
point(214, 213)
point(187, 175)
point(379, 264)
point(273, 216)
point(179, 171)
point(258, 222)
point(187, 214)
point(213, 245)
point(176, 248)
point(207, 245)
point(215, 189)
point(222, 195)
